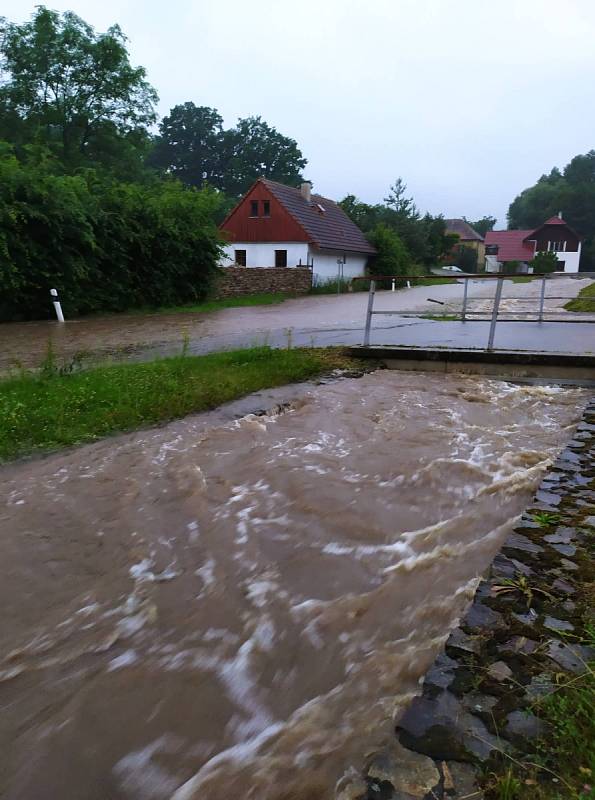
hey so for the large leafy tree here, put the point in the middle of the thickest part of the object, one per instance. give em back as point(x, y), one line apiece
point(572, 191)
point(192, 146)
point(71, 89)
point(483, 225)
point(257, 149)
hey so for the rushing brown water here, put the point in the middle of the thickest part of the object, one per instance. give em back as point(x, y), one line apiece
point(239, 609)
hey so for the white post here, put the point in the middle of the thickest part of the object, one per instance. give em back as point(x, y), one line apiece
point(57, 306)
point(393, 286)
point(371, 292)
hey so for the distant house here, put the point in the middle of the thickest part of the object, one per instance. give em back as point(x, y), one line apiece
point(468, 237)
point(555, 235)
point(278, 226)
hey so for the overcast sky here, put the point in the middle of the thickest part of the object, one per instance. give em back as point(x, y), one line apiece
point(469, 101)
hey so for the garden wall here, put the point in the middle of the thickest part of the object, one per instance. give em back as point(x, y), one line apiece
point(237, 281)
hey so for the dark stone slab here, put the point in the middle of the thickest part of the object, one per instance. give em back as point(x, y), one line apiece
point(519, 644)
point(522, 728)
point(504, 567)
point(516, 541)
point(565, 549)
point(482, 617)
point(563, 535)
point(570, 657)
point(442, 729)
point(549, 498)
point(442, 672)
point(463, 641)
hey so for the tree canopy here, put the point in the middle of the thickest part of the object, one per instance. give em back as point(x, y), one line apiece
point(72, 90)
point(572, 191)
point(423, 237)
point(193, 145)
point(483, 225)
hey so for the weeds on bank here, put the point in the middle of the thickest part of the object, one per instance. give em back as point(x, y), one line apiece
point(520, 585)
point(584, 301)
point(545, 518)
point(61, 405)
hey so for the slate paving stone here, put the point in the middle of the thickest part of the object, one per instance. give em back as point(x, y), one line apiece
point(560, 585)
point(519, 644)
point(570, 565)
point(499, 671)
point(562, 535)
point(549, 498)
point(516, 541)
point(527, 619)
point(463, 641)
point(442, 672)
point(504, 567)
point(565, 549)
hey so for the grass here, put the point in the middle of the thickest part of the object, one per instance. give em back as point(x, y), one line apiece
point(56, 408)
point(522, 279)
point(584, 301)
point(442, 317)
point(268, 299)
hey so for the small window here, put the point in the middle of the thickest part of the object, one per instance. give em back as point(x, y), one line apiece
point(254, 208)
point(266, 208)
point(240, 258)
point(280, 258)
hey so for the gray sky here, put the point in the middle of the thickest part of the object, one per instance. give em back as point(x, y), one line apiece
point(469, 101)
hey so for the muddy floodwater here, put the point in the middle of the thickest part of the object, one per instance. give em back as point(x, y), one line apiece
point(225, 608)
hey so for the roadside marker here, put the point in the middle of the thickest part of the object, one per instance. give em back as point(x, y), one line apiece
point(57, 306)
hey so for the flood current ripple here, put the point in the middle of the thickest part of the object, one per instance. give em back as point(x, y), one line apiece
point(241, 608)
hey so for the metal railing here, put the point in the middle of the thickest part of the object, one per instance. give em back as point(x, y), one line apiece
point(466, 314)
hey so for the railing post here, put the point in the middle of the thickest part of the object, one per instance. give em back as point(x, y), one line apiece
point(464, 312)
point(541, 300)
point(497, 297)
point(371, 292)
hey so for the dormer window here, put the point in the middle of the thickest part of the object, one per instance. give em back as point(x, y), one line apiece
point(254, 208)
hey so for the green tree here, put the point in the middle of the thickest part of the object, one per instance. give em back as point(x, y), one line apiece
point(572, 191)
point(545, 261)
point(392, 257)
point(72, 89)
point(483, 225)
point(191, 146)
point(258, 150)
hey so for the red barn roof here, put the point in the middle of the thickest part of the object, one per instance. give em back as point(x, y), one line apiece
point(322, 221)
point(512, 245)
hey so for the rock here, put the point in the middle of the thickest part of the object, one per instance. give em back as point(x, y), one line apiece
point(504, 567)
point(570, 657)
point(481, 704)
point(561, 585)
point(409, 772)
point(519, 644)
point(557, 624)
point(590, 521)
point(565, 549)
point(442, 672)
point(499, 671)
point(562, 535)
point(549, 498)
point(528, 618)
point(462, 641)
point(569, 606)
point(516, 541)
point(522, 727)
point(351, 786)
point(564, 562)
point(540, 686)
point(465, 782)
point(482, 617)
point(442, 729)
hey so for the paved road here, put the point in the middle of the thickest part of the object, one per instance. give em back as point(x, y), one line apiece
point(320, 320)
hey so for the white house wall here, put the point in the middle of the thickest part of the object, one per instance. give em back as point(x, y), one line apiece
point(325, 267)
point(262, 254)
point(571, 260)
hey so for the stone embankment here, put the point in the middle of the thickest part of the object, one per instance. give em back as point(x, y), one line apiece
point(239, 281)
point(478, 712)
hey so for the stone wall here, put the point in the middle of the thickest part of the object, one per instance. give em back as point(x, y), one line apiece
point(237, 281)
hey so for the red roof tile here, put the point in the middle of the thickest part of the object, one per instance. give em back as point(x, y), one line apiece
point(512, 245)
point(325, 222)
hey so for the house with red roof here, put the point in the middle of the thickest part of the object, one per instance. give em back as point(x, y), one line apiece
point(275, 225)
point(555, 235)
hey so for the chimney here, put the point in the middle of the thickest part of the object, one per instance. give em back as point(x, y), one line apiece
point(306, 191)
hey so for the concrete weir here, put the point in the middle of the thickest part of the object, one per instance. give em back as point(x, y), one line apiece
point(507, 364)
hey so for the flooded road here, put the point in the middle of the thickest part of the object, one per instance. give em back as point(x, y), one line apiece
point(312, 319)
point(239, 608)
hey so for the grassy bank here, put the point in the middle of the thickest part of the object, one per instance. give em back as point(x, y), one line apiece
point(268, 299)
point(584, 301)
point(48, 410)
